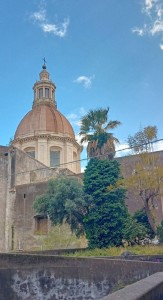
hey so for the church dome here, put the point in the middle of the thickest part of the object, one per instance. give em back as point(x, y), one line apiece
point(44, 133)
point(44, 118)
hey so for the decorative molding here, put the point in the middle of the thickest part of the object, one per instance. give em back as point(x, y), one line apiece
point(48, 137)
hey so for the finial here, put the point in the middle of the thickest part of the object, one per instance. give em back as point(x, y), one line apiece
point(44, 65)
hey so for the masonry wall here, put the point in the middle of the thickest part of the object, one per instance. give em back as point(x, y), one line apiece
point(29, 170)
point(24, 221)
point(3, 195)
point(31, 180)
point(26, 236)
point(53, 277)
point(24, 178)
point(133, 201)
point(3, 150)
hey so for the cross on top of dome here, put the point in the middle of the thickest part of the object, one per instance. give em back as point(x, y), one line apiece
point(44, 65)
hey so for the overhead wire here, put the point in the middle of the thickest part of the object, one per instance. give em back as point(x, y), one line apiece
point(76, 161)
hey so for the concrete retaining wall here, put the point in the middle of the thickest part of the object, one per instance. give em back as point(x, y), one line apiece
point(47, 277)
point(150, 288)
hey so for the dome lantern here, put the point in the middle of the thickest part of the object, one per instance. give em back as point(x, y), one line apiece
point(44, 89)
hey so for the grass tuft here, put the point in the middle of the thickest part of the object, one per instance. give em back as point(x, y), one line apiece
point(116, 251)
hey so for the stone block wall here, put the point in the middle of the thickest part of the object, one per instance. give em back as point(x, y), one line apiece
point(133, 201)
point(24, 221)
point(3, 196)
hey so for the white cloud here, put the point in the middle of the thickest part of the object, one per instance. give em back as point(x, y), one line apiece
point(158, 146)
point(58, 29)
point(75, 118)
point(157, 27)
point(161, 46)
point(82, 111)
point(148, 5)
point(72, 116)
point(86, 81)
point(39, 16)
point(153, 10)
point(77, 123)
point(122, 149)
point(83, 169)
point(159, 12)
point(139, 31)
point(78, 139)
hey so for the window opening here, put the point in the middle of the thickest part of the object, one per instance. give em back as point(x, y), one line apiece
point(46, 93)
point(41, 224)
point(54, 158)
point(31, 153)
point(40, 93)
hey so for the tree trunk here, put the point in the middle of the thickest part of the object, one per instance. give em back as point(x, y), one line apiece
point(150, 216)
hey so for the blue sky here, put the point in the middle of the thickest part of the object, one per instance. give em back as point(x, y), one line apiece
point(99, 54)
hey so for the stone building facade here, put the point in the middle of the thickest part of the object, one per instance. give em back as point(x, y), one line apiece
point(44, 146)
point(22, 179)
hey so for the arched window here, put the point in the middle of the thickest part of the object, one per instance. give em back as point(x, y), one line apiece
point(40, 93)
point(47, 93)
point(30, 151)
point(55, 156)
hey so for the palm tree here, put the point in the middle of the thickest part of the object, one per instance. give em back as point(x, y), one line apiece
point(94, 130)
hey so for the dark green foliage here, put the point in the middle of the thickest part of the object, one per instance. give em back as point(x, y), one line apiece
point(160, 232)
point(140, 216)
point(98, 176)
point(107, 212)
point(133, 231)
point(63, 202)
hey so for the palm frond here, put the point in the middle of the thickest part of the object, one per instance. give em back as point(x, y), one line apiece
point(86, 138)
point(111, 137)
point(112, 125)
point(94, 127)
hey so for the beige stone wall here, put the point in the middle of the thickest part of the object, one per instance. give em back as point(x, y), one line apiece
point(25, 235)
point(28, 169)
point(69, 150)
point(24, 222)
point(18, 170)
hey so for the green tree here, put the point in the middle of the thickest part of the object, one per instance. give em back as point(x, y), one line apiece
point(106, 213)
point(143, 139)
point(141, 217)
point(133, 231)
point(160, 232)
point(146, 182)
point(64, 203)
point(94, 130)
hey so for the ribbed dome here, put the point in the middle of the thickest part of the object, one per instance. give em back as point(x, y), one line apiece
point(44, 118)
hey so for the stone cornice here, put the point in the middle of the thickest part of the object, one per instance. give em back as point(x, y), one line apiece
point(44, 82)
point(47, 137)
